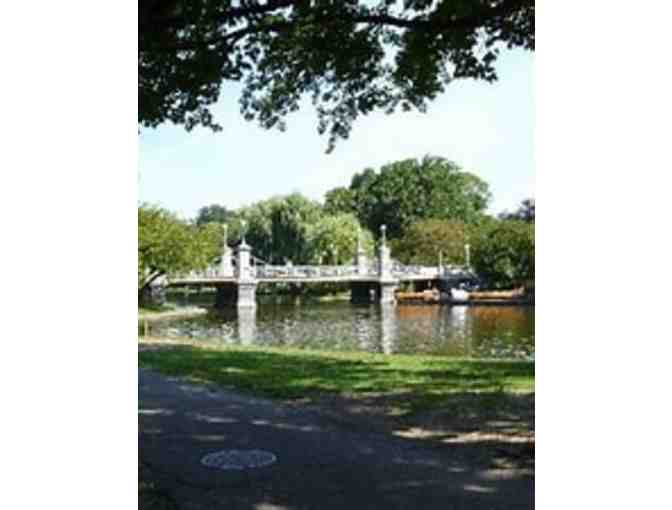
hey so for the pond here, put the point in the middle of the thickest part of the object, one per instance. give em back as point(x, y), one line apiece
point(499, 332)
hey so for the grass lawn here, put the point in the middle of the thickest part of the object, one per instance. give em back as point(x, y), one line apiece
point(417, 383)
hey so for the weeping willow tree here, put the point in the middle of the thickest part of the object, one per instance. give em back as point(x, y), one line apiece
point(333, 239)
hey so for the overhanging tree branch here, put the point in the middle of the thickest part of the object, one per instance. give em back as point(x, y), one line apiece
point(152, 19)
point(423, 22)
point(336, 51)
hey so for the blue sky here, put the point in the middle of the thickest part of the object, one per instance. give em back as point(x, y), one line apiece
point(488, 129)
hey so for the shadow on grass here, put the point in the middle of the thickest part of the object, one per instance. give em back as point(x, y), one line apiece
point(407, 392)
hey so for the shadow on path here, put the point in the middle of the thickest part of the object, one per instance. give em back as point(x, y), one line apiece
point(330, 459)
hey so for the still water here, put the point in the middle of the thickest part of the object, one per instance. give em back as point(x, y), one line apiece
point(461, 331)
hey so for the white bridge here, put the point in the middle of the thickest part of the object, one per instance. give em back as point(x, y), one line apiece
point(237, 276)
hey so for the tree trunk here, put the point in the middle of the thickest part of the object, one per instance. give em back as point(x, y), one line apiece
point(152, 293)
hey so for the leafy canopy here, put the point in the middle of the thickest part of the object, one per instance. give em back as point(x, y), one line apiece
point(213, 214)
point(350, 57)
point(424, 240)
point(295, 228)
point(168, 245)
point(411, 190)
point(278, 228)
point(333, 239)
point(503, 253)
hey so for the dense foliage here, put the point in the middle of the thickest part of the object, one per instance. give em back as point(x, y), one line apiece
point(279, 228)
point(503, 253)
point(425, 240)
point(295, 229)
point(350, 57)
point(411, 190)
point(333, 239)
point(213, 214)
point(168, 245)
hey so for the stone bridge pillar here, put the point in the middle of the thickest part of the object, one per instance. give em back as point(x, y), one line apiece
point(389, 329)
point(247, 325)
point(386, 293)
point(387, 282)
point(245, 277)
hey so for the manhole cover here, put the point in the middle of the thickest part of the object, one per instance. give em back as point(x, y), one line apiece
point(238, 459)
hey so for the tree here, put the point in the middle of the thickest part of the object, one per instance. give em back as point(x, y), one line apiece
point(411, 190)
point(168, 245)
point(333, 239)
point(503, 253)
point(340, 200)
point(351, 57)
point(525, 212)
point(278, 228)
point(213, 214)
point(424, 240)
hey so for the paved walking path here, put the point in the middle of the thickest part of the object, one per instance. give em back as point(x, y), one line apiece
point(321, 464)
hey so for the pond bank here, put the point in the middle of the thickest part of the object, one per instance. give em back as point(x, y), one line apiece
point(147, 315)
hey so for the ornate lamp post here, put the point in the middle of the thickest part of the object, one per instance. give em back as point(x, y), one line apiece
point(243, 226)
point(226, 266)
point(387, 282)
point(384, 263)
point(360, 254)
point(245, 273)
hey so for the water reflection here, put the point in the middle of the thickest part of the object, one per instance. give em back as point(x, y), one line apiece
point(247, 325)
point(480, 332)
point(389, 332)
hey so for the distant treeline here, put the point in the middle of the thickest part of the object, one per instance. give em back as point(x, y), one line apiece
point(431, 209)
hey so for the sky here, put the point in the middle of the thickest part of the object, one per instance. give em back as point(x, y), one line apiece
point(487, 129)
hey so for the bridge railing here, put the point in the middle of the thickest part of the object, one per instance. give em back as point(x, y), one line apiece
point(305, 271)
point(455, 271)
point(269, 271)
point(205, 274)
point(414, 270)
